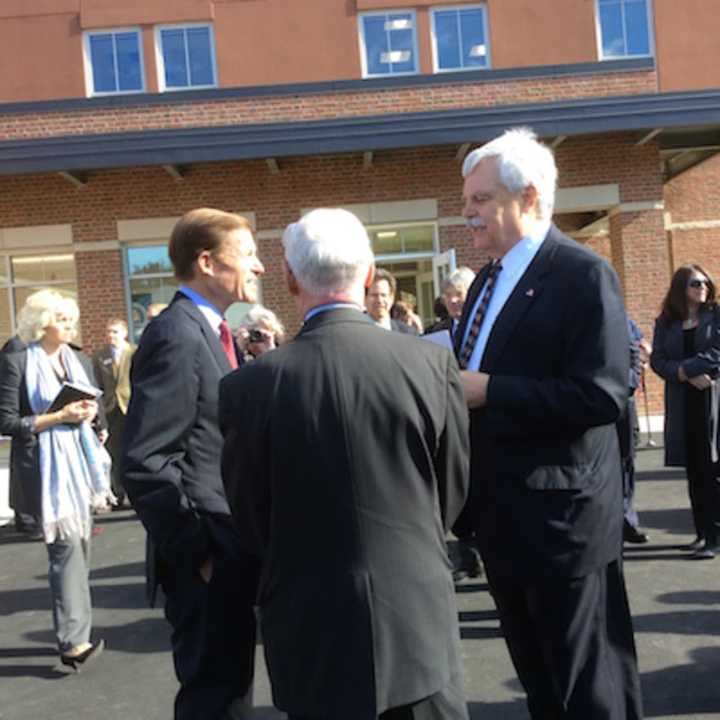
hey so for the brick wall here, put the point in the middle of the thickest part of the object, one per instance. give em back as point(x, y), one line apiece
point(316, 106)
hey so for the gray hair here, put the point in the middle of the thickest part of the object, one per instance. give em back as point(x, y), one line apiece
point(262, 317)
point(328, 250)
point(522, 161)
point(459, 280)
point(40, 310)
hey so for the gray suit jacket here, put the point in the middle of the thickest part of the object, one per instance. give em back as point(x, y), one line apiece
point(345, 461)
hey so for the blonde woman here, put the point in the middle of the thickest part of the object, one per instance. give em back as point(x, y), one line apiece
point(58, 459)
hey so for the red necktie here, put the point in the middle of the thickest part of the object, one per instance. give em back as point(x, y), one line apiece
point(472, 337)
point(226, 340)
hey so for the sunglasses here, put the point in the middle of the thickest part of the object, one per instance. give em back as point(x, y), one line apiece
point(698, 283)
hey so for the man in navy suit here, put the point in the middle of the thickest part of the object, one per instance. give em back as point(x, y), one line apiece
point(543, 344)
point(171, 467)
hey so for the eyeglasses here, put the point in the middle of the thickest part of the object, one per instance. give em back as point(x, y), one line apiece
point(698, 283)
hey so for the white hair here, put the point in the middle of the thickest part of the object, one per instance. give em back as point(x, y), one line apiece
point(42, 309)
point(262, 317)
point(328, 250)
point(459, 279)
point(522, 161)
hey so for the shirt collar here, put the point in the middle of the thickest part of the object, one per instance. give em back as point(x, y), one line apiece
point(518, 257)
point(329, 306)
point(209, 311)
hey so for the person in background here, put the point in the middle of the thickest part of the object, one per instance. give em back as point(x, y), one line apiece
point(686, 354)
point(441, 315)
point(403, 312)
point(58, 458)
point(112, 370)
point(379, 299)
point(627, 432)
point(153, 310)
point(259, 332)
point(454, 291)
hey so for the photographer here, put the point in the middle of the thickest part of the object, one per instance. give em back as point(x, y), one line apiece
point(259, 332)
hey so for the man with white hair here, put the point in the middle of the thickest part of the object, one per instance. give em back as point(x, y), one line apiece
point(543, 347)
point(345, 462)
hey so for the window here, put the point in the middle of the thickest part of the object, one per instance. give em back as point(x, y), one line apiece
point(22, 275)
point(410, 239)
point(388, 45)
point(185, 57)
point(624, 28)
point(460, 39)
point(150, 279)
point(114, 62)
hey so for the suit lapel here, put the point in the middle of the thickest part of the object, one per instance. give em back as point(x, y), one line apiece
point(211, 336)
point(526, 292)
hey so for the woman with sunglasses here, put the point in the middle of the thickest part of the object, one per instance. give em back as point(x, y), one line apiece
point(686, 354)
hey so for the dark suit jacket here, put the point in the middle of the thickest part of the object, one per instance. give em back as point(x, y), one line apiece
point(667, 355)
point(115, 382)
point(545, 492)
point(345, 460)
point(26, 488)
point(172, 443)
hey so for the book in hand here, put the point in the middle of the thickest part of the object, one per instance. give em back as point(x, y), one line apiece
point(72, 392)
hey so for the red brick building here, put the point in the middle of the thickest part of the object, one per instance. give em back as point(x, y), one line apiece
point(115, 118)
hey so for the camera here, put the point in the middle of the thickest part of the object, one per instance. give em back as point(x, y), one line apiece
point(256, 336)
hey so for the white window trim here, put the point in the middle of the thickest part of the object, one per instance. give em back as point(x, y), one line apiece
point(87, 61)
point(363, 47)
point(160, 59)
point(433, 38)
point(651, 34)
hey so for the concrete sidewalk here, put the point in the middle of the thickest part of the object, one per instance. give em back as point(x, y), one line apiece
point(675, 602)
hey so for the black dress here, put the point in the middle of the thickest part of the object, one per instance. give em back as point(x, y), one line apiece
point(702, 484)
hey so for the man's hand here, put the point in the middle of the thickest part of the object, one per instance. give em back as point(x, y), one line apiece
point(206, 570)
point(475, 385)
point(701, 382)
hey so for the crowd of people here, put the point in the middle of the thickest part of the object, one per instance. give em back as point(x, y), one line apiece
point(310, 486)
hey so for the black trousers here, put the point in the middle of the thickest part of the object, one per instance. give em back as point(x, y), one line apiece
point(571, 642)
point(114, 446)
point(213, 638)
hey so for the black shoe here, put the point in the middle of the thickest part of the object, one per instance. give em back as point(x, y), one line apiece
point(697, 544)
point(77, 662)
point(706, 553)
point(633, 535)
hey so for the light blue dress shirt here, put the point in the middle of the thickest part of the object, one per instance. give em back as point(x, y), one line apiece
point(211, 313)
point(514, 264)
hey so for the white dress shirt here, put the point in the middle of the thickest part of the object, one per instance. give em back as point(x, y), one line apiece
point(514, 264)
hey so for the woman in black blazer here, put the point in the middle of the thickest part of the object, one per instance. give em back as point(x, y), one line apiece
point(58, 459)
point(686, 354)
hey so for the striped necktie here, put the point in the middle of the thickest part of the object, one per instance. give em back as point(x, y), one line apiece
point(472, 337)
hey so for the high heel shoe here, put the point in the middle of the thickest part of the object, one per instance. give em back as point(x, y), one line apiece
point(77, 662)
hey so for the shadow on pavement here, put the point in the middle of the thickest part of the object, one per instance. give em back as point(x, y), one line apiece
point(688, 622)
point(477, 615)
point(471, 587)
point(683, 556)
point(665, 474)
point(136, 569)
point(688, 690)
point(512, 710)
point(676, 521)
point(691, 597)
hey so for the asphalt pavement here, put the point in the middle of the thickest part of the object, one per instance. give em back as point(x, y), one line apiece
point(675, 603)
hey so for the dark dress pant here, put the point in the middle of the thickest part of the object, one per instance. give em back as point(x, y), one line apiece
point(571, 642)
point(213, 636)
point(626, 432)
point(116, 430)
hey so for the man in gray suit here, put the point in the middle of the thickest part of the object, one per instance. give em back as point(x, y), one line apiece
point(345, 462)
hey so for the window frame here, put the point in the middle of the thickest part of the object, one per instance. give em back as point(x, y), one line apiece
point(363, 47)
point(433, 37)
point(651, 33)
point(160, 57)
point(88, 66)
point(405, 256)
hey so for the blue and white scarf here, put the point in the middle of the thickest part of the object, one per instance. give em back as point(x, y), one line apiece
point(74, 466)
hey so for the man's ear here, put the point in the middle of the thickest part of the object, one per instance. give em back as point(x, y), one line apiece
point(530, 197)
point(290, 279)
point(204, 263)
point(370, 276)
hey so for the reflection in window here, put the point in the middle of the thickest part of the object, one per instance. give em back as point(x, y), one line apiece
point(115, 62)
point(145, 292)
point(410, 239)
point(624, 28)
point(149, 260)
point(43, 269)
point(459, 38)
point(187, 57)
point(389, 44)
